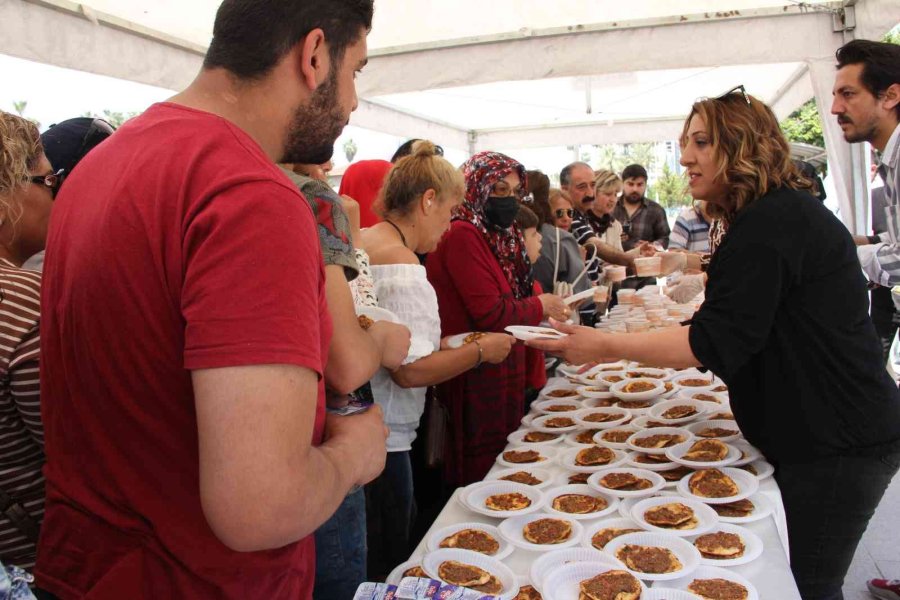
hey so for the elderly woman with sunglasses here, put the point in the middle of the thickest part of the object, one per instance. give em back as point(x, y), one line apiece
point(483, 280)
point(785, 324)
point(27, 187)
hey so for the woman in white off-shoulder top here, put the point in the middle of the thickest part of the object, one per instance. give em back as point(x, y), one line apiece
point(417, 200)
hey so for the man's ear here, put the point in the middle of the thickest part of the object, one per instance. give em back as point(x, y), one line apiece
point(314, 60)
point(892, 96)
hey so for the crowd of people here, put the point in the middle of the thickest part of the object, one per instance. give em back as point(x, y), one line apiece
point(193, 407)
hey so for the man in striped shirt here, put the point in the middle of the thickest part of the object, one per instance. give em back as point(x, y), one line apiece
point(867, 105)
point(691, 229)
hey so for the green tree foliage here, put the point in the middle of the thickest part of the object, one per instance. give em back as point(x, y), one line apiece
point(114, 118)
point(804, 126)
point(670, 189)
point(616, 157)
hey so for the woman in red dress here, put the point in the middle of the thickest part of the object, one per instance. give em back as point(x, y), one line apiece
point(482, 277)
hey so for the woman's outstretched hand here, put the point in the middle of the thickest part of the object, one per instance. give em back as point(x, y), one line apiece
point(581, 345)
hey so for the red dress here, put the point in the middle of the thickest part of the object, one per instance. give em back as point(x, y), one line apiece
point(485, 404)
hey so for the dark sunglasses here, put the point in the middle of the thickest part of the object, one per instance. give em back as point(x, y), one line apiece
point(559, 212)
point(52, 181)
point(738, 88)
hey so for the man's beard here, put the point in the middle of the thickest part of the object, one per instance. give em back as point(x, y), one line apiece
point(316, 126)
point(634, 198)
point(861, 134)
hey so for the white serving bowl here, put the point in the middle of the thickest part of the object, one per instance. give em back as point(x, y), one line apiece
point(433, 560)
point(540, 423)
point(582, 417)
point(646, 433)
point(657, 411)
point(753, 546)
point(657, 481)
point(512, 530)
point(434, 540)
point(704, 572)
point(696, 428)
point(612, 502)
point(517, 438)
point(564, 583)
point(591, 529)
point(548, 454)
point(746, 482)
point(545, 475)
point(706, 516)
point(550, 561)
point(567, 461)
point(475, 498)
point(687, 555)
point(676, 454)
point(600, 439)
point(619, 391)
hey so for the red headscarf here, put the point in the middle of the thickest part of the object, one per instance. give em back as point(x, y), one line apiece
point(362, 181)
point(481, 172)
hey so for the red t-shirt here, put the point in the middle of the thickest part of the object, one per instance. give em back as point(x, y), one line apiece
point(176, 245)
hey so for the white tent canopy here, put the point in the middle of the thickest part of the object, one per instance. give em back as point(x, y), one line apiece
point(506, 74)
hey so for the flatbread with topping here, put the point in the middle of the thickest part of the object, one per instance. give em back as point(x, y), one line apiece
point(561, 393)
point(616, 436)
point(472, 539)
point(626, 482)
point(522, 477)
point(527, 592)
point(716, 432)
point(558, 408)
point(659, 440)
point(465, 575)
point(522, 456)
point(671, 516)
point(511, 501)
point(599, 417)
point(675, 474)
point(612, 585)
point(679, 412)
point(416, 571)
point(634, 404)
point(594, 456)
point(637, 387)
point(649, 559)
point(547, 531)
point(720, 545)
point(559, 422)
point(712, 483)
point(579, 504)
point(586, 436)
point(575, 478)
point(718, 589)
point(736, 509)
point(706, 451)
point(600, 539)
point(534, 437)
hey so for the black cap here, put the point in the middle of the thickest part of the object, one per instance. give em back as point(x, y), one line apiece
point(68, 142)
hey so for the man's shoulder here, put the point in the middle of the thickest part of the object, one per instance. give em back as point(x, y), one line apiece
point(655, 206)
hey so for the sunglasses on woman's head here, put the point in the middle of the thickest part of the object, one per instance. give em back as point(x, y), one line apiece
point(569, 212)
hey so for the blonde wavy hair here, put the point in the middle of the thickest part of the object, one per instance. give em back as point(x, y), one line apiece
point(415, 174)
point(607, 181)
point(751, 153)
point(20, 150)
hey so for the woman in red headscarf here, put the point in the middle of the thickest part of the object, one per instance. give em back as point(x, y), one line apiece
point(482, 277)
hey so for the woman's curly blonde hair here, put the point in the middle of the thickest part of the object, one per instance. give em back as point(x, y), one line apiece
point(750, 151)
point(20, 150)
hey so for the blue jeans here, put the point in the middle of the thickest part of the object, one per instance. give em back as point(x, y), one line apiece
point(828, 503)
point(391, 509)
point(341, 550)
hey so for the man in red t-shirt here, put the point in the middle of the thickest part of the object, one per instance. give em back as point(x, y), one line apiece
point(185, 329)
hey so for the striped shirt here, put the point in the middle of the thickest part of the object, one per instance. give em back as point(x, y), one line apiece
point(21, 432)
point(690, 232)
point(881, 262)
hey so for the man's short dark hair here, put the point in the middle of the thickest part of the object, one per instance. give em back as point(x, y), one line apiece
point(251, 36)
point(565, 176)
point(880, 61)
point(633, 172)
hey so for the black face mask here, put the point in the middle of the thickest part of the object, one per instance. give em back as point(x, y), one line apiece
point(501, 212)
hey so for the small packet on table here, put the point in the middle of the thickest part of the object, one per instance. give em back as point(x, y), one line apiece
point(417, 588)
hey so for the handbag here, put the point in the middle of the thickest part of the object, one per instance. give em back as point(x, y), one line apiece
point(437, 422)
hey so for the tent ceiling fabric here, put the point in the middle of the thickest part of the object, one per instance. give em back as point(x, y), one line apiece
point(508, 73)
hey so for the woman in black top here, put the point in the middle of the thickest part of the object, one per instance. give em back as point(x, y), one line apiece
point(785, 324)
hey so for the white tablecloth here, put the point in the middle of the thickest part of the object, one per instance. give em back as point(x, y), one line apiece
point(770, 573)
